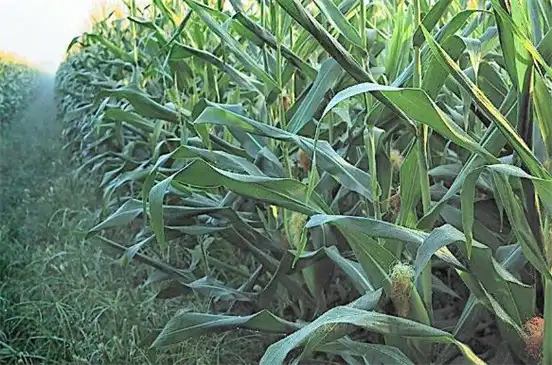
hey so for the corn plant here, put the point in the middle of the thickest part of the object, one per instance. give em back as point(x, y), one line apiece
point(17, 84)
point(380, 169)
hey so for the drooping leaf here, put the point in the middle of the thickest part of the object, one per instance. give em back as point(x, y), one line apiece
point(185, 325)
point(418, 106)
point(345, 319)
point(126, 213)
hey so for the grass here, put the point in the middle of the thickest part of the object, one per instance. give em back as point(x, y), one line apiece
point(62, 299)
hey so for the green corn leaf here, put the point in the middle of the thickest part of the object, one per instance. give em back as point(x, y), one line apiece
point(543, 109)
point(264, 36)
point(417, 105)
point(180, 51)
point(345, 319)
point(430, 20)
point(351, 269)
point(489, 301)
point(377, 354)
point(398, 43)
point(488, 108)
point(126, 213)
point(375, 259)
point(522, 41)
point(482, 228)
point(171, 15)
point(232, 44)
point(220, 159)
point(332, 46)
point(410, 190)
point(130, 118)
point(330, 72)
point(185, 325)
point(542, 186)
point(326, 158)
point(370, 227)
point(516, 58)
point(144, 104)
point(286, 193)
point(156, 197)
point(167, 270)
point(159, 33)
point(207, 287)
point(112, 47)
point(338, 20)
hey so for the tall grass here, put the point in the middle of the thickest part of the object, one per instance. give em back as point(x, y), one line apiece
point(367, 180)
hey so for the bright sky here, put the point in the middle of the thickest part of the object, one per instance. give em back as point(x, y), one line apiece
point(40, 30)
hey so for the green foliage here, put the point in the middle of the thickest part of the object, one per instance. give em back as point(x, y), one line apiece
point(409, 134)
point(18, 80)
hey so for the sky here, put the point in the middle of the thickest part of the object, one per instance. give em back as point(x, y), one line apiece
point(40, 30)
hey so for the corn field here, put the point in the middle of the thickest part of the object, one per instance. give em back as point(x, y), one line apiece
point(17, 84)
point(380, 172)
